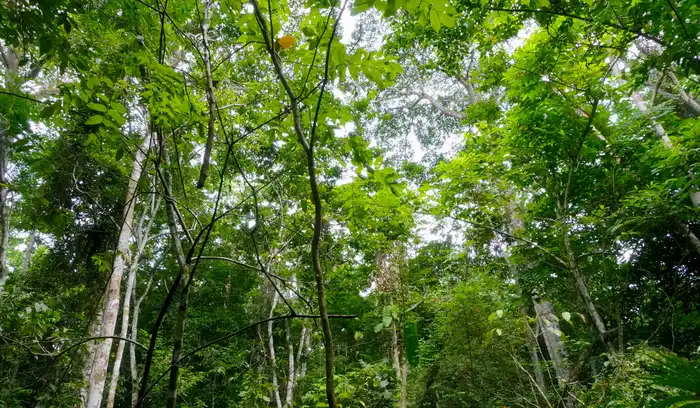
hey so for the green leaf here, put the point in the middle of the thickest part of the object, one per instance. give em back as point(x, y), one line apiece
point(448, 20)
point(434, 20)
point(566, 316)
point(93, 82)
point(94, 120)
point(499, 332)
point(499, 313)
point(120, 154)
point(118, 107)
point(378, 327)
point(47, 111)
point(97, 107)
point(116, 117)
point(386, 320)
point(92, 138)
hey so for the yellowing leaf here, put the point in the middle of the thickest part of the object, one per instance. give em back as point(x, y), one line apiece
point(286, 42)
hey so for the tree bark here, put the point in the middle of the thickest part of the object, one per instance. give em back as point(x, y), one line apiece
point(179, 330)
point(142, 235)
point(11, 65)
point(132, 347)
point(206, 56)
point(28, 252)
point(103, 348)
point(549, 328)
point(582, 286)
point(289, 395)
point(93, 331)
point(271, 351)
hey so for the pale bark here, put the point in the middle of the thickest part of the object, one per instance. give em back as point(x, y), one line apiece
point(28, 252)
point(305, 355)
point(533, 348)
point(289, 396)
point(641, 105)
point(11, 66)
point(93, 331)
point(583, 287)
point(403, 398)
point(661, 132)
point(689, 101)
point(437, 105)
point(111, 311)
point(142, 235)
point(271, 352)
point(550, 330)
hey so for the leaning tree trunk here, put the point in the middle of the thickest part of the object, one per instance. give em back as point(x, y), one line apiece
point(111, 305)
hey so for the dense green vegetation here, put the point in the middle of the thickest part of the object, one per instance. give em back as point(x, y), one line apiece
point(355, 203)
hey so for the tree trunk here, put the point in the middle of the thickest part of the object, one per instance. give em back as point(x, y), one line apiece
point(549, 327)
point(305, 354)
point(289, 396)
point(93, 331)
point(534, 353)
point(308, 147)
point(179, 330)
point(132, 347)
point(142, 236)
point(582, 287)
point(271, 351)
point(11, 64)
point(28, 252)
point(206, 56)
point(111, 311)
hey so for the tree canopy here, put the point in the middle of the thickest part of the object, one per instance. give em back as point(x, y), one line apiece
point(353, 203)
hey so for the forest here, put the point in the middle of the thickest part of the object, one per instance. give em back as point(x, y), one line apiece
point(349, 203)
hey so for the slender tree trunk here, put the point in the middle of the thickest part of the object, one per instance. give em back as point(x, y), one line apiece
point(132, 347)
point(114, 381)
point(93, 331)
point(306, 353)
point(271, 351)
point(308, 147)
point(583, 287)
point(534, 353)
point(142, 236)
point(103, 349)
point(289, 396)
point(179, 331)
point(210, 97)
point(28, 252)
point(11, 64)
point(549, 327)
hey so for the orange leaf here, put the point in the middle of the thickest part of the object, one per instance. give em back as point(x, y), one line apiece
point(286, 42)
